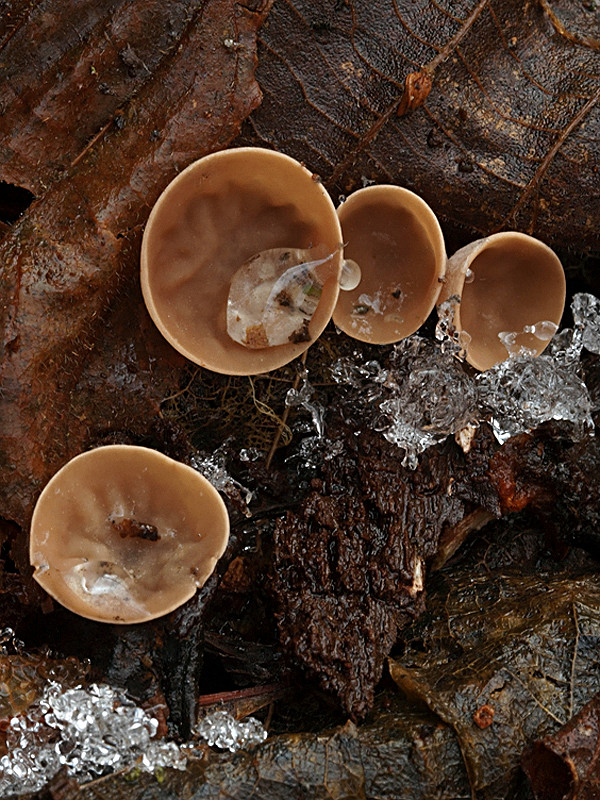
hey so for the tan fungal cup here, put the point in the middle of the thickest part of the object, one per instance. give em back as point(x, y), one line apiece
point(217, 214)
point(125, 534)
point(509, 285)
point(395, 238)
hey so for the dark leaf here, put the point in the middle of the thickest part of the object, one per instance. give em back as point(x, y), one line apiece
point(507, 137)
point(509, 658)
point(81, 357)
point(565, 766)
point(402, 754)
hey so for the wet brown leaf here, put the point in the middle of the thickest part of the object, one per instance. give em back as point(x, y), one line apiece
point(400, 754)
point(81, 357)
point(514, 651)
point(565, 766)
point(507, 137)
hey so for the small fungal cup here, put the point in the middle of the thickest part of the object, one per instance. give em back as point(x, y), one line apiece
point(125, 534)
point(507, 292)
point(238, 217)
point(396, 240)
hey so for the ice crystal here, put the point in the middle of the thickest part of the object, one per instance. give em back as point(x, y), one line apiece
point(91, 731)
point(303, 397)
point(452, 341)
point(433, 397)
point(428, 393)
point(214, 468)
point(586, 317)
point(274, 295)
point(221, 729)
point(9, 641)
point(523, 392)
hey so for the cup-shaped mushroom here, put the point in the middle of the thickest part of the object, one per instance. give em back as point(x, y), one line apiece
point(125, 534)
point(507, 292)
point(241, 259)
point(396, 240)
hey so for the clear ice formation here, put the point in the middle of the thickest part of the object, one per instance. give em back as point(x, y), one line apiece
point(432, 397)
point(274, 295)
point(95, 731)
point(213, 466)
point(427, 393)
point(586, 317)
point(221, 729)
point(91, 731)
point(303, 397)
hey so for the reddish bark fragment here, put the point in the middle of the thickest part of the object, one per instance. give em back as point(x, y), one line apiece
point(416, 90)
point(566, 764)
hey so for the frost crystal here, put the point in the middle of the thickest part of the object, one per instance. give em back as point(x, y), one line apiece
point(214, 468)
point(432, 398)
point(586, 317)
point(428, 393)
point(522, 392)
point(303, 397)
point(221, 729)
point(9, 641)
point(452, 341)
point(91, 731)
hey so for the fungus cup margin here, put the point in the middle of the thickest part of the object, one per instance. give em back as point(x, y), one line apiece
point(125, 534)
point(503, 284)
point(219, 212)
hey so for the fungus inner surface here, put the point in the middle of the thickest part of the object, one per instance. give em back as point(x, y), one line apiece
point(207, 224)
point(513, 300)
point(126, 534)
point(399, 282)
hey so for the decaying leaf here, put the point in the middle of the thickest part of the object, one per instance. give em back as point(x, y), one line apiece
point(81, 358)
point(564, 766)
point(399, 754)
point(506, 138)
point(350, 565)
point(23, 677)
point(522, 646)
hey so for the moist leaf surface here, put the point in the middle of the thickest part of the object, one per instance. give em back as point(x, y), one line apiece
point(81, 357)
point(507, 137)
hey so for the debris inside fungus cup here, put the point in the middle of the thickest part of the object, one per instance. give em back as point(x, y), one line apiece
point(125, 534)
point(274, 295)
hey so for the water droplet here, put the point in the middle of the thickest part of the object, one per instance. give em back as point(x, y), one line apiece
point(274, 295)
point(350, 275)
point(469, 276)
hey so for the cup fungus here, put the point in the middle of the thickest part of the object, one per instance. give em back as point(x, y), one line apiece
point(507, 292)
point(125, 534)
point(240, 261)
point(396, 240)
